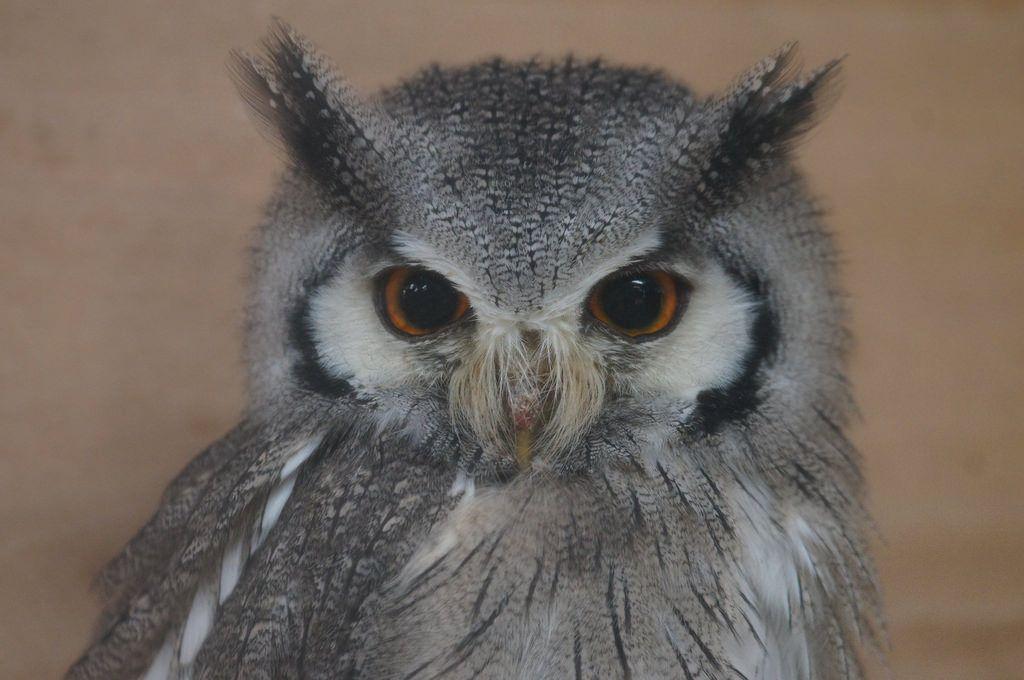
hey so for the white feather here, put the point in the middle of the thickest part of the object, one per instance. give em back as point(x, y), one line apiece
point(199, 621)
point(231, 566)
point(160, 669)
point(272, 511)
point(298, 458)
point(459, 485)
point(769, 573)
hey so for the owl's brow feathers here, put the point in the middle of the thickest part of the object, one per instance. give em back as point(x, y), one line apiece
point(338, 139)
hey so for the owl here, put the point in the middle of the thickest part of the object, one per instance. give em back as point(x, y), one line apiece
point(546, 380)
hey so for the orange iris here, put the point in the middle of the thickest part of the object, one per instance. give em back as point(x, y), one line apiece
point(638, 304)
point(417, 301)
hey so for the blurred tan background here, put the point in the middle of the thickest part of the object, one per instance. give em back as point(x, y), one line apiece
point(130, 176)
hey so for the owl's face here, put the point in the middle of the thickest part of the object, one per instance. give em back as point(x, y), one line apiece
point(528, 376)
point(538, 266)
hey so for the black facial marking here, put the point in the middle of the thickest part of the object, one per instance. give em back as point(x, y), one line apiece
point(718, 406)
point(309, 372)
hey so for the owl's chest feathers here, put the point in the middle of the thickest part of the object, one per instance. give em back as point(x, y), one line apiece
point(560, 583)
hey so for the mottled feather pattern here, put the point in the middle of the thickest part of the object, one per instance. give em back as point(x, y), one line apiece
point(360, 508)
point(296, 96)
point(764, 115)
point(366, 519)
point(134, 568)
point(210, 508)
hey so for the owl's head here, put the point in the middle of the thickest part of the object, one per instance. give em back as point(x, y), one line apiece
point(542, 265)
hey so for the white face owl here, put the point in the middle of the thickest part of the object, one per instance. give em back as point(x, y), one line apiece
point(528, 266)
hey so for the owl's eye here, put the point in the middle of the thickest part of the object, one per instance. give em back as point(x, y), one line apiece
point(639, 304)
point(418, 301)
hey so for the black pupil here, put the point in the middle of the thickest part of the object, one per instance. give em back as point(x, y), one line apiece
point(632, 302)
point(427, 300)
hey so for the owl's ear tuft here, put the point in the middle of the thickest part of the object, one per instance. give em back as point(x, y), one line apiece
point(300, 102)
point(762, 117)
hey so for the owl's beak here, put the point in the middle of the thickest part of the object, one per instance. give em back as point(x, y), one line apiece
point(524, 417)
point(527, 396)
point(525, 409)
point(524, 448)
